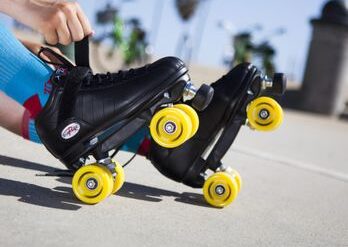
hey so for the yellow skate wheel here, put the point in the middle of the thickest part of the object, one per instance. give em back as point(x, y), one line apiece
point(92, 183)
point(171, 127)
point(220, 189)
point(192, 114)
point(264, 114)
point(119, 178)
point(235, 175)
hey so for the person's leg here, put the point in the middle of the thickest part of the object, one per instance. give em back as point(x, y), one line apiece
point(26, 79)
point(11, 114)
point(15, 118)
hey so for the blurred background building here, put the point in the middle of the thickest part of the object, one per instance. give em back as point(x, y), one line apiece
point(325, 84)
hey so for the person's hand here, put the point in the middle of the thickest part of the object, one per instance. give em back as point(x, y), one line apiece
point(61, 22)
point(58, 20)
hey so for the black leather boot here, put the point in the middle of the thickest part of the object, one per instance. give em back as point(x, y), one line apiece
point(90, 114)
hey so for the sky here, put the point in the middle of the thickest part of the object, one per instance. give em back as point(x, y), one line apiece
point(293, 15)
point(166, 28)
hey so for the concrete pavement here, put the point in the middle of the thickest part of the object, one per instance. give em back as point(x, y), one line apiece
point(294, 194)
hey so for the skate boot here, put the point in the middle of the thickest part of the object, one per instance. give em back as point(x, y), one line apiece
point(89, 115)
point(239, 99)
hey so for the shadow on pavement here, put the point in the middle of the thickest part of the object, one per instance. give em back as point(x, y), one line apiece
point(152, 194)
point(34, 194)
point(148, 193)
point(61, 197)
point(8, 161)
point(37, 195)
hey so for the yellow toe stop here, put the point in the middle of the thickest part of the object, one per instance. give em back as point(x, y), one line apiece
point(264, 114)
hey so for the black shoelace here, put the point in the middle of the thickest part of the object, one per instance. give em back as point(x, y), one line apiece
point(112, 78)
point(97, 79)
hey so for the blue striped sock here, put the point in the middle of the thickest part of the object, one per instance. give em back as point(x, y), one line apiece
point(23, 74)
point(33, 136)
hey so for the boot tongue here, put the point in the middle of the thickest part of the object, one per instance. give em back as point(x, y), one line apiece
point(72, 84)
point(76, 75)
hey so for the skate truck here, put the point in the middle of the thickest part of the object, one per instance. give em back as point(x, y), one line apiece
point(187, 146)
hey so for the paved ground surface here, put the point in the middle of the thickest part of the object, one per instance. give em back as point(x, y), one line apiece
point(295, 194)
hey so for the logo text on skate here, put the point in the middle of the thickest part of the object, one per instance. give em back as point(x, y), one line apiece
point(70, 131)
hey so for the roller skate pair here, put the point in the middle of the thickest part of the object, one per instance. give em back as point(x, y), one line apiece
point(241, 97)
point(89, 115)
point(79, 122)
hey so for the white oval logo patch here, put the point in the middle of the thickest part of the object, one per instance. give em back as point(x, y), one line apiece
point(70, 131)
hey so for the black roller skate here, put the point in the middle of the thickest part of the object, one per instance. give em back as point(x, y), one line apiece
point(90, 114)
point(239, 99)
